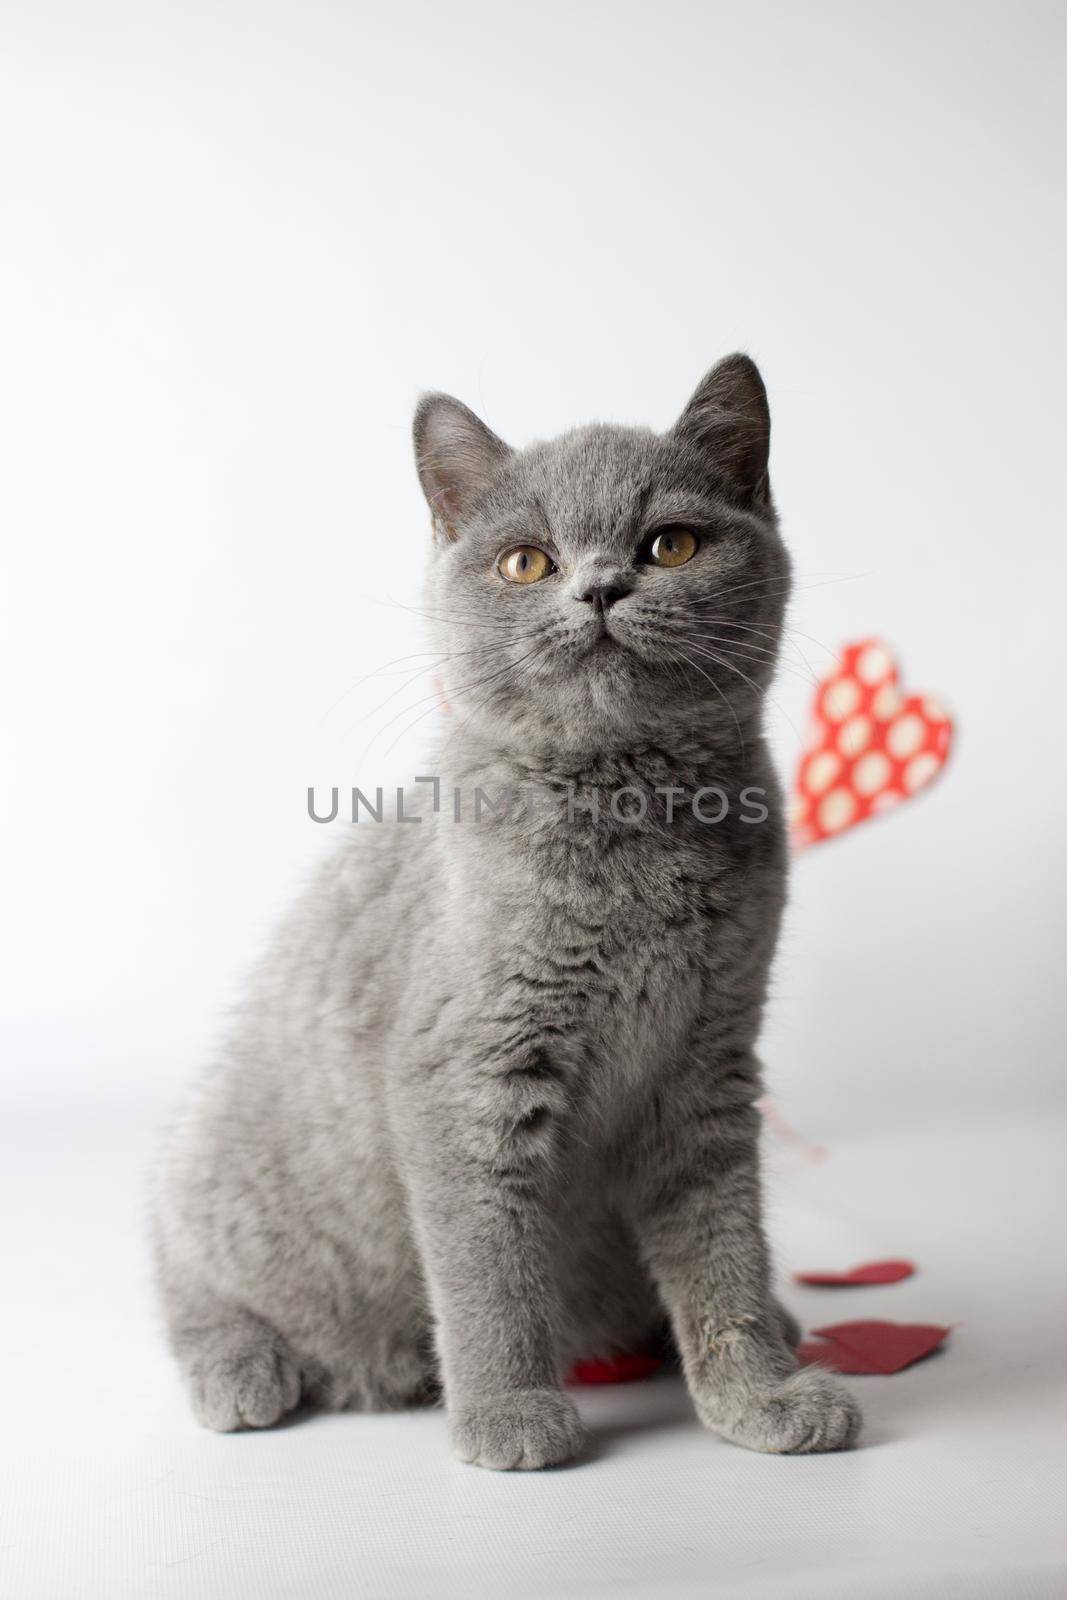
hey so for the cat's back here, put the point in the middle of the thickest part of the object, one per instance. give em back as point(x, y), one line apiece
point(339, 941)
point(324, 995)
point(292, 1100)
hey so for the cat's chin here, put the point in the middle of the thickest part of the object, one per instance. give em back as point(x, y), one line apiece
point(605, 696)
point(595, 711)
point(605, 644)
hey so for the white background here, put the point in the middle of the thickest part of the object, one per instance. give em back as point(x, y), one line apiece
point(237, 240)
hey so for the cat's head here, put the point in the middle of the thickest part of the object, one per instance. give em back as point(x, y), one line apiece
point(610, 587)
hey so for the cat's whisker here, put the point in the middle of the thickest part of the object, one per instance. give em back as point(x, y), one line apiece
point(702, 649)
point(783, 651)
point(376, 672)
point(788, 636)
point(754, 654)
point(785, 629)
point(677, 675)
point(773, 636)
point(759, 652)
point(795, 584)
point(722, 697)
point(420, 672)
point(463, 688)
point(522, 661)
point(482, 623)
point(430, 698)
point(509, 666)
point(763, 693)
point(435, 664)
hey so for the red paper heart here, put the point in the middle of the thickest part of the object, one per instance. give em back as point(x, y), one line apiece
point(870, 1272)
point(870, 745)
point(880, 1347)
point(627, 1367)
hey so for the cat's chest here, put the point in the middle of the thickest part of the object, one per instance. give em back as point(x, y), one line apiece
point(625, 889)
point(615, 935)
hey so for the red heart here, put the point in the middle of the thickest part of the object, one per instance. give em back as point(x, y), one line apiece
point(881, 1347)
point(627, 1367)
point(870, 1272)
point(870, 745)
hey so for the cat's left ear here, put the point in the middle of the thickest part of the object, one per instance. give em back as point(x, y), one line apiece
point(729, 418)
point(457, 457)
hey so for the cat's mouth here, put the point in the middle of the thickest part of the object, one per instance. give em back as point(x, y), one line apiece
point(604, 643)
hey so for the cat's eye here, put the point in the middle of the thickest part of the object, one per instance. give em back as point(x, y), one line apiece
point(671, 547)
point(525, 564)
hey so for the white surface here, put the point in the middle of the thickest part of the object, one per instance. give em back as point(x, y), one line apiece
point(956, 1491)
point(239, 239)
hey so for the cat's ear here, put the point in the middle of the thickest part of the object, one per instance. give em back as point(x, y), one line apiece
point(457, 457)
point(728, 417)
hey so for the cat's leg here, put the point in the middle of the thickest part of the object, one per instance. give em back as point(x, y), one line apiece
point(483, 1157)
point(239, 1371)
point(700, 1225)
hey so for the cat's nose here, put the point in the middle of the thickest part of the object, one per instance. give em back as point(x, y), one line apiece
point(602, 592)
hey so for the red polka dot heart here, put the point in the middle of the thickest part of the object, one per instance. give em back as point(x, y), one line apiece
point(871, 746)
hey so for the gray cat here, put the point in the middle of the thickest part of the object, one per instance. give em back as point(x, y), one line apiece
point(489, 1105)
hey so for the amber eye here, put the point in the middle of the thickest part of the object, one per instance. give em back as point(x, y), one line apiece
point(672, 547)
point(525, 564)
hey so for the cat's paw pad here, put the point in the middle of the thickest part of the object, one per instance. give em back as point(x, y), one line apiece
point(805, 1413)
point(250, 1388)
point(523, 1428)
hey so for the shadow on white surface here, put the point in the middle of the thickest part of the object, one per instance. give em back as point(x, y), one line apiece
point(955, 1490)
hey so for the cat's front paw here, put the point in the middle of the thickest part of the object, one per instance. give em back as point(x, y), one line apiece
point(807, 1412)
point(522, 1428)
point(253, 1387)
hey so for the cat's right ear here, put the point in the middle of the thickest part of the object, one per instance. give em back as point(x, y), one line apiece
point(457, 457)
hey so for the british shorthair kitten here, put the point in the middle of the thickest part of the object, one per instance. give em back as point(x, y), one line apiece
point(489, 1104)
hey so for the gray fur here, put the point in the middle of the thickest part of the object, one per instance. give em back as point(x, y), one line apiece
point(489, 1104)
